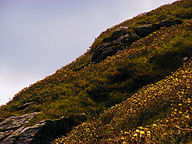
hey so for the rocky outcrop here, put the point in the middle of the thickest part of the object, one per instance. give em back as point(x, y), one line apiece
point(12, 126)
point(124, 37)
point(145, 30)
point(111, 45)
point(14, 129)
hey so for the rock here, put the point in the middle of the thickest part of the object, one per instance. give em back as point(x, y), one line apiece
point(15, 122)
point(27, 135)
point(14, 129)
point(116, 35)
point(22, 107)
point(11, 126)
point(145, 30)
point(5, 134)
point(168, 23)
point(110, 48)
point(185, 58)
point(12, 137)
point(125, 36)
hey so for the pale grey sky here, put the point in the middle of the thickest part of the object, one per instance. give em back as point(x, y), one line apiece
point(37, 37)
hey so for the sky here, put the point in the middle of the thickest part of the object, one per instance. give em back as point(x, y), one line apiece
point(37, 37)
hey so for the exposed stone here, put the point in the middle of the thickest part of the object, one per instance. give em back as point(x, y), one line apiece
point(116, 35)
point(15, 122)
point(12, 126)
point(12, 137)
point(168, 23)
point(14, 130)
point(110, 48)
point(22, 107)
point(185, 58)
point(124, 37)
point(145, 30)
point(5, 134)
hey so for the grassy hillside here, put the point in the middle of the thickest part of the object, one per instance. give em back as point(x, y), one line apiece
point(180, 9)
point(157, 113)
point(86, 88)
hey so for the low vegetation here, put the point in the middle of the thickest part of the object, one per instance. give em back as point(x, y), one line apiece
point(144, 81)
point(157, 113)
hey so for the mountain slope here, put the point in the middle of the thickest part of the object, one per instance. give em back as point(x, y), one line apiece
point(157, 113)
point(121, 61)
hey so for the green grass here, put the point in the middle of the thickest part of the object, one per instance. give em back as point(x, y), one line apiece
point(85, 88)
point(157, 113)
point(126, 72)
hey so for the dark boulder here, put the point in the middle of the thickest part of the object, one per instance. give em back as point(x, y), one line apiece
point(109, 48)
point(124, 37)
point(168, 23)
point(145, 30)
point(120, 32)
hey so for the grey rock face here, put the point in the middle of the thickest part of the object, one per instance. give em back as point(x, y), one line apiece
point(14, 130)
point(12, 126)
point(124, 37)
point(14, 122)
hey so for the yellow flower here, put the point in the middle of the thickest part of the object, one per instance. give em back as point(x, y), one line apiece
point(142, 132)
point(180, 104)
point(148, 133)
point(137, 130)
point(135, 135)
point(187, 116)
point(154, 125)
point(141, 127)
